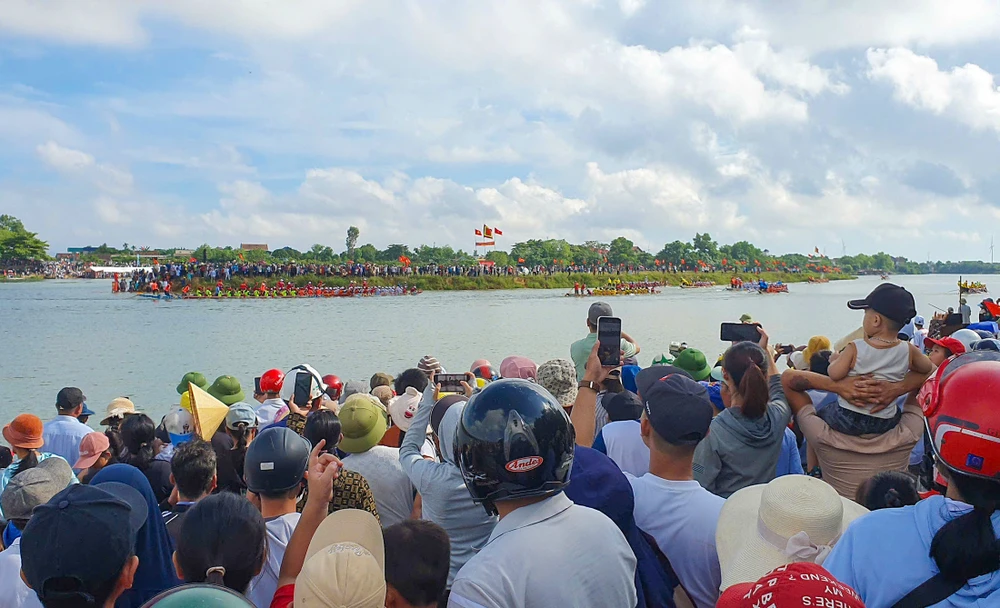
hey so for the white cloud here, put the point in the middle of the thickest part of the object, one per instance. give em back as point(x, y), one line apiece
point(81, 164)
point(965, 93)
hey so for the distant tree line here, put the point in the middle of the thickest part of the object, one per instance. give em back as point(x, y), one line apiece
point(701, 253)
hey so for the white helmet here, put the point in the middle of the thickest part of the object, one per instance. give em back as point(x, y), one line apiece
point(967, 337)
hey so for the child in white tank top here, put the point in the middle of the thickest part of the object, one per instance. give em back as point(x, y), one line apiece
point(880, 354)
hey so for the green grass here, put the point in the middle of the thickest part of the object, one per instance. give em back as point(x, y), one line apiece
point(556, 281)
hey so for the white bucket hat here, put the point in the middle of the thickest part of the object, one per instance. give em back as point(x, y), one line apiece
point(794, 518)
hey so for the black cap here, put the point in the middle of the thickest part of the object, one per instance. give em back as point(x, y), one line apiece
point(622, 406)
point(890, 301)
point(276, 461)
point(69, 398)
point(79, 540)
point(646, 377)
point(679, 409)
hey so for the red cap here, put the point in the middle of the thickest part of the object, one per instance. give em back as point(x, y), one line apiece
point(952, 344)
point(792, 586)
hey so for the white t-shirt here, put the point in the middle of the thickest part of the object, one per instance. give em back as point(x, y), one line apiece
point(918, 338)
point(623, 441)
point(13, 592)
point(268, 410)
point(682, 517)
point(279, 532)
point(391, 487)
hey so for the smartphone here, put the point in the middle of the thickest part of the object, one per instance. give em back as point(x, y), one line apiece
point(303, 389)
point(739, 332)
point(450, 383)
point(609, 341)
point(785, 349)
point(256, 386)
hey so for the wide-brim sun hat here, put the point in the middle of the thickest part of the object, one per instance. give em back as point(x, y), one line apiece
point(118, 408)
point(794, 518)
point(363, 422)
point(25, 432)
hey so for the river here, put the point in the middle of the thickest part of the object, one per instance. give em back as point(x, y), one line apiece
point(76, 333)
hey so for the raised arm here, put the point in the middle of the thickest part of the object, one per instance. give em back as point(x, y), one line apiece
point(842, 365)
point(584, 412)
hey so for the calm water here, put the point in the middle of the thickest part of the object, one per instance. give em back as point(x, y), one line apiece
point(76, 333)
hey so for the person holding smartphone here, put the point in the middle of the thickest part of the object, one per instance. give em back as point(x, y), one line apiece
point(744, 441)
point(580, 350)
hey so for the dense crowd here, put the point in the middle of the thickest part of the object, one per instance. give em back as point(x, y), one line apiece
point(864, 474)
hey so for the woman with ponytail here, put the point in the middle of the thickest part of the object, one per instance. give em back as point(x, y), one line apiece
point(942, 551)
point(744, 441)
point(223, 542)
point(138, 434)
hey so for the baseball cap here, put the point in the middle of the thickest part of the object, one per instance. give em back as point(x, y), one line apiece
point(918, 320)
point(91, 447)
point(951, 344)
point(679, 409)
point(28, 490)
point(69, 397)
point(352, 387)
point(647, 377)
point(363, 422)
point(241, 412)
point(106, 515)
point(622, 406)
point(87, 411)
point(891, 301)
point(792, 586)
point(598, 310)
point(345, 563)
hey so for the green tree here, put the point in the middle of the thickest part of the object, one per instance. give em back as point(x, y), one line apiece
point(500, 258)
point(286, 253)
point(622, 251)
point(16, 243)
point(673, 253)
point(352, 239)
point(392, 253)
point(366, 253)
point(706, 248)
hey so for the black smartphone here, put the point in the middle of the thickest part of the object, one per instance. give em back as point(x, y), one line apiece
point(303, 389)
point(450, 383)
point(256, 386)
point(785, 349)
point(739, 332)
point(609, 341)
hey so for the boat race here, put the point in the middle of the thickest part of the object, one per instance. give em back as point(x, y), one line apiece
point(499, 304)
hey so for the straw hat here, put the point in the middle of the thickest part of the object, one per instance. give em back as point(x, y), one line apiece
point(794, 518)
point(25, 432)
point(118, 408)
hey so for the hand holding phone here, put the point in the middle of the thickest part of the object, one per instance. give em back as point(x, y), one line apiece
point(450, 383)
point(609, 341)
point(740, 332)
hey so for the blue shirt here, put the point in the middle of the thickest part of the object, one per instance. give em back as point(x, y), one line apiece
point(886, 554)
point(63, 435)
point(788, 461)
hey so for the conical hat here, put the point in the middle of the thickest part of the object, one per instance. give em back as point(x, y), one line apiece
point(208, 412)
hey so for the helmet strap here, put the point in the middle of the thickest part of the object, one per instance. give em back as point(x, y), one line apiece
point(491, 508)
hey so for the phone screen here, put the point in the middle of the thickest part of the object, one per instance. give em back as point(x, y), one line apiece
point(609, 341)
point(256, 386)
point(303, 388)
point(450, 383)
point(739, 332)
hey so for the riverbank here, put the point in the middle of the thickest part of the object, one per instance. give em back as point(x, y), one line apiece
point(553, 281)
point(29, 279)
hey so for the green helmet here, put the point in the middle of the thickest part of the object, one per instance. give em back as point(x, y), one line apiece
point(199, 595)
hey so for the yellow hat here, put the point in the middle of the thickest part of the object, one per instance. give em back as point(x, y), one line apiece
point(186, 401)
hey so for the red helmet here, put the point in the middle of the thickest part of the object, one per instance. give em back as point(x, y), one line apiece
point(962, 418)
point(334, 386)
point(271, 381)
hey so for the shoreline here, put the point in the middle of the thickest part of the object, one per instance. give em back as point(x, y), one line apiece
point(553, 281)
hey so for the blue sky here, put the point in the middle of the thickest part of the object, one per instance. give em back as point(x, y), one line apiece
point(865, 125)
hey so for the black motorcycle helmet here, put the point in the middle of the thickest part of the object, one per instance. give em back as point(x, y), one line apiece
point(276, 461)
point(514, 440)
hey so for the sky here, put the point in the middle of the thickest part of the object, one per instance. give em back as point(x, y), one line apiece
point(849, 125)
